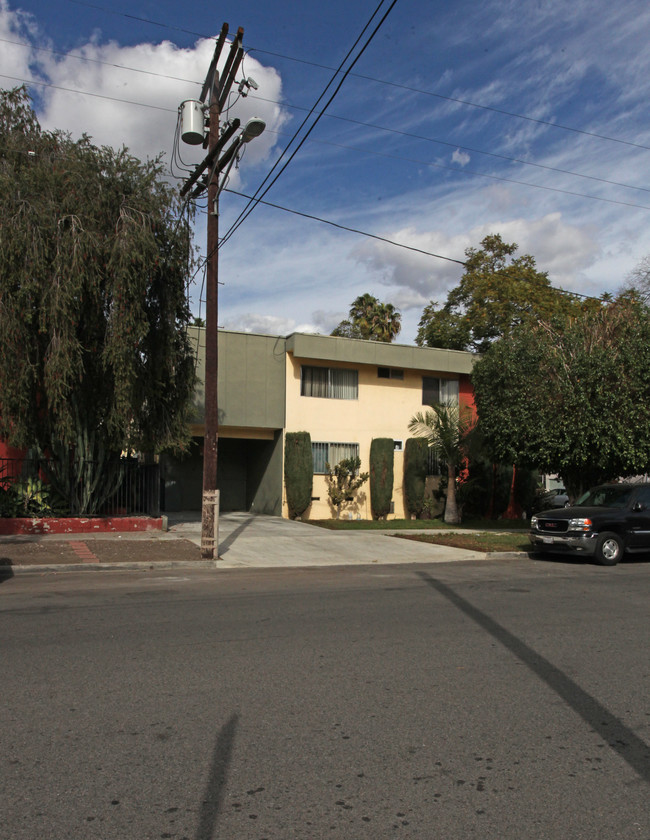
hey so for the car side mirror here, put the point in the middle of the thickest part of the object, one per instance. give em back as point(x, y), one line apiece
point(637, 507)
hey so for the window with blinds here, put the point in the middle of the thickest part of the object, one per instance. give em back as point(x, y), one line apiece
point(332, 454)
point(331, 383)
point(435, 390)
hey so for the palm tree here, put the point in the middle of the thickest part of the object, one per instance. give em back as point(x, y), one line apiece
point(386, 322)
point(371, 320)
point(446, 426)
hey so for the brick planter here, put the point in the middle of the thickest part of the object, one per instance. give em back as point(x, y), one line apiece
point(80, 525)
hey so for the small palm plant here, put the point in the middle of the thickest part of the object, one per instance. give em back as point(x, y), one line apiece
point(446, 427)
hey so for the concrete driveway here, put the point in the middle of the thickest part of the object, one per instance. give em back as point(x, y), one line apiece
point(255, 541)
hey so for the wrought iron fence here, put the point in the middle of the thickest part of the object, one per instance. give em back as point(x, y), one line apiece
point(433, 463)
point(127, 486)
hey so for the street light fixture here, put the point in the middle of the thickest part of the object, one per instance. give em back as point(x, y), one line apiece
point(253, 128)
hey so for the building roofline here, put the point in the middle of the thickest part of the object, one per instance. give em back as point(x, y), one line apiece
point(329, 348)
point(361, 351)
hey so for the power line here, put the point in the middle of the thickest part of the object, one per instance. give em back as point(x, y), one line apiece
point(330, 116)
point(458, 170)
point(409, 88)
point(450, 145)
point(465, 171)
point(375, 236)
point(88, 93)
point(99, 61)
point(340, 226)
point(458, 101)
point(262, 192)
point(412, 135)
point(369, 151)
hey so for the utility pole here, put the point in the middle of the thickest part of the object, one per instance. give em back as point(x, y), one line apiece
point(193, 121)
point(210, 514)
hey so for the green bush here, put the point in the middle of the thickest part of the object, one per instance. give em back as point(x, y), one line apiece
point(416, 456)
point(298, 472)
point(381, 476)
point(28, 497)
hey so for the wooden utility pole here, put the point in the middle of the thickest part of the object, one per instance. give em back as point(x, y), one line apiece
point(218, 86)
point(210, 514)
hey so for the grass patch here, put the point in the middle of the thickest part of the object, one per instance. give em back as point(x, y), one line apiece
point(419, 525)
point(483, 541)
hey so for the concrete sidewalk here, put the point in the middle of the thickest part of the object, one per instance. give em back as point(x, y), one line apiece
point(245, 541)
point(267, 541)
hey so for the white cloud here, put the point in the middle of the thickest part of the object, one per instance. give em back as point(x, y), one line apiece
point(460, 157)
point(257, 323)
point(134, 91)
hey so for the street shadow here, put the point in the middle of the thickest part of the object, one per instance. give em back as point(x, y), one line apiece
point(231, 538)
point(569, 559)
point(211, 802)
point(6, 572)
point(613, 731)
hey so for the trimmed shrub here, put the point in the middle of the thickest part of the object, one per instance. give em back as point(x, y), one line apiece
point(298, 472)
point(416, 455)
point(381, 476)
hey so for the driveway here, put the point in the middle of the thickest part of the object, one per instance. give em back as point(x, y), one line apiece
point(248, 540)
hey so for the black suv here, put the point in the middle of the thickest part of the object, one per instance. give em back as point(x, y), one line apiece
point(604, 523)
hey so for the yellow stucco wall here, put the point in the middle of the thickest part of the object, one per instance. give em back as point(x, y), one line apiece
point(383, 409)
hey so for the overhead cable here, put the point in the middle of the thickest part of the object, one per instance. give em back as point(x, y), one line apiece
point(409, 88)
point(261, 190)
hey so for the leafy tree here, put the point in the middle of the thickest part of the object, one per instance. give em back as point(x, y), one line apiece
point(497, 292)
point(571, 398)
point(94, 356)
point(343, 481)
point(446, 426)
point(638, 281)
point(371, 320)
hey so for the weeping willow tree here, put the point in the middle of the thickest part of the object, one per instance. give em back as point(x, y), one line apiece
point(94, 254)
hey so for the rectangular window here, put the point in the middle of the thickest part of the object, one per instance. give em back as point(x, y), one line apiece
point(398, 445)
point(390, 373)
point(331, 383)
point(332, 454)
point(435, 390)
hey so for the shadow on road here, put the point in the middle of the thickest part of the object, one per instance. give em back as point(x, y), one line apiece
point(613, 731)
point(575, 559)
point(215, 785)
point(230, 539)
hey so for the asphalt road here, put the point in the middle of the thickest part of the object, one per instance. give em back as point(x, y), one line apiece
point(505, 699)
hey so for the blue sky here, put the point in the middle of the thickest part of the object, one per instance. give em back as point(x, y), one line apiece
point(522, 118)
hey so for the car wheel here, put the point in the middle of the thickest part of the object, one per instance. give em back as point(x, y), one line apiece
point(609, 549)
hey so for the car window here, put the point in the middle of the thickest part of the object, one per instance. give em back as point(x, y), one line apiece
point(643, 495)
point(611, 497)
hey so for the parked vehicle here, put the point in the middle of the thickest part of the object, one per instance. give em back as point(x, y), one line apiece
point(558, 497)
point(604, 523)
point(546, 499)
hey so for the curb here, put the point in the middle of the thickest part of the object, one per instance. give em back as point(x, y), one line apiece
point(108, 567)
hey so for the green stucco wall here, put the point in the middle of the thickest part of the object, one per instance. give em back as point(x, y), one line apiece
point(251, 381)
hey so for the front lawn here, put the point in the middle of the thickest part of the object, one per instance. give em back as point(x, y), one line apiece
point(475, 541)
point(419, 524)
